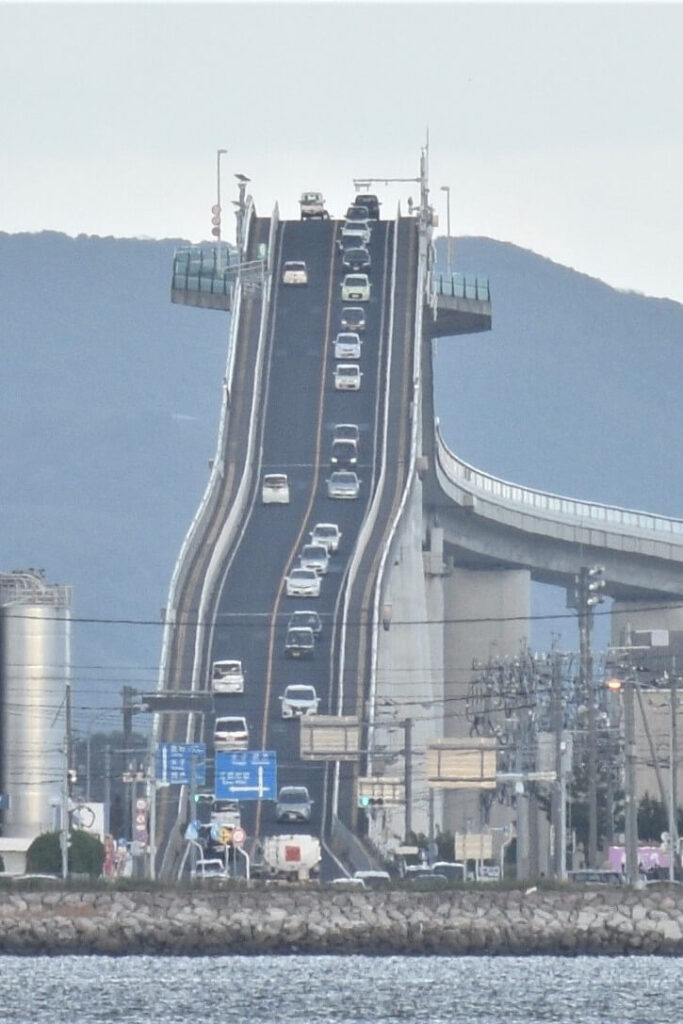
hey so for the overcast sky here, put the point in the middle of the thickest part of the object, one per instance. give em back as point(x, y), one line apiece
point(557, 127)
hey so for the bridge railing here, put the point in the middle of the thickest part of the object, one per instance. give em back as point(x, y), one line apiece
point(458, 286)
point(552, 505)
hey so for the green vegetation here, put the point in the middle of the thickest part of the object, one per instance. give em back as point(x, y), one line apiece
point(86, 854)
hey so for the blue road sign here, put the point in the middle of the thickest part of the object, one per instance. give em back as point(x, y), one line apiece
point(246, 775)
point(181, 764)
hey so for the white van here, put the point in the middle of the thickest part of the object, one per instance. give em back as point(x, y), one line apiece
point(227, 677)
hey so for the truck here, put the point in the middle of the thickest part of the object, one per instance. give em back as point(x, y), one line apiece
point(292, 857)
point(312, 206)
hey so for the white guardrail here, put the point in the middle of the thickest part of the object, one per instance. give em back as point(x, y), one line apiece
point(551, 506)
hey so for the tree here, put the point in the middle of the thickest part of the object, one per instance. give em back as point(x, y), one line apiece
point(86, 854)
point(653, 819)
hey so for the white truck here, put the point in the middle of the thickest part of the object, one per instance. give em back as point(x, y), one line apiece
point(312, 206)
point(292, 857)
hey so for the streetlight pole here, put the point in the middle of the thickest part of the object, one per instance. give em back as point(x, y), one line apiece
point(447, 190)
point(219, 154)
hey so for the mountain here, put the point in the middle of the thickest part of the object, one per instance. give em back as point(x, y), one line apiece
point(112, 395)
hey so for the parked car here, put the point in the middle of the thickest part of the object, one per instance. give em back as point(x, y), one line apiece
point(356, 259)
point(347, 377)
point(295, 272)
point(343, 483)
point(299, 642)
point(275, 489)
point(347, 345)
point(315, 556)
point(344, 455)
point(453, 870)
point(299, 700)
point(302, 583)
point(374, 879)
point(231, 733)
point(227, 677)
point(293, 804)
point(306, 618)
point(356, 286)
point(328, 534)
point(353, 319)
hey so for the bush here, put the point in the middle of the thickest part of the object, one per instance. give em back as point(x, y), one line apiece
point(86, 854)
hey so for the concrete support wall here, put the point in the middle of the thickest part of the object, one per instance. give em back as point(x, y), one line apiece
point(486, 615)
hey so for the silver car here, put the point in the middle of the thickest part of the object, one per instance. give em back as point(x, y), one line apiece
point(315, 556)
point(231, 733)
point(344, 483)
point(328, 534)
point(293, 804)
point(347, 377)
point(302, 583)
point(347, 345)
point(298, 700)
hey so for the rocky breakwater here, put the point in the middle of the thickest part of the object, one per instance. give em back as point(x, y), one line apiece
point(301, 919)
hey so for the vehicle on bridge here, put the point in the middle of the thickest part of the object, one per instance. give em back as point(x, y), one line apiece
point(328, 534)
point(227, 677)
point(353, 318)
point(357, 212)
point(315, 556)
point(226, 813)
point(343, 484)
point(347, 345)
point(371, 203)
point(299, 642)
point(302, 583)
point(231, 732)
point(356, 286)
point(354, 232)
point(344, 454)
point(275, 489)
point(312, 206)
point(294, 272)
point(299, 700)
point(347, 377)
point(293, 804)
point(305, 617)
point(346, 432)
point(356, 259)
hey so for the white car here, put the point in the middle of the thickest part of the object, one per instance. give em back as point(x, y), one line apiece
point(302, 583)
point(356, 232)
point(328, 534)
point(299, 700)
point(347, 345)
point(227, 677)
point(294, 272)
point(346, 432)
point(231, 733)
point(343, 483)
point(356, 286)
point(315, 556)
point(275, 489)
point(347, 377)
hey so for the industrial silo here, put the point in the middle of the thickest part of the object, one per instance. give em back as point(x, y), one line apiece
point(35, 660)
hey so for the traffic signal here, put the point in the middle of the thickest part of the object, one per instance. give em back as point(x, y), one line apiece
point(370, 801)
point(216, 220)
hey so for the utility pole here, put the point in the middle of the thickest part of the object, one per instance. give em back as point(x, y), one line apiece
point(127, 711)
point(559, 797)
point(589, 584)
point(107, 788)
point(65, 817)
point(673, 782)
point(631, 803)
point(408, 774)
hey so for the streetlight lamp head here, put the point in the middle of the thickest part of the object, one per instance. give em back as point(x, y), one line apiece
point(221, 151)
point(242, 177)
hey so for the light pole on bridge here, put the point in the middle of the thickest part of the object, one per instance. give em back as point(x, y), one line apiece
point(447, 190)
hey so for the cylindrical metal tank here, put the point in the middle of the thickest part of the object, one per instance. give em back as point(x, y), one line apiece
point(35, 666)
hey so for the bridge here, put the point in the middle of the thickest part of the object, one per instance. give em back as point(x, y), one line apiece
point(436, 558)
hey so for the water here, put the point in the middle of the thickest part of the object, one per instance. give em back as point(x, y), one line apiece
point(345, 990)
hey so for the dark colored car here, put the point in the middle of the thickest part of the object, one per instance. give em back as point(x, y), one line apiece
point(353, 319)
point(358, 212)
point(344, 454)
point(356, 259)
point(370, 202)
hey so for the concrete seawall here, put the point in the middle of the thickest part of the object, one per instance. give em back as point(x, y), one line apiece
point(297, 919)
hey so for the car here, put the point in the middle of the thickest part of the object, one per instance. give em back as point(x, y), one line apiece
point(356, 286)
point(275, 489)
point(294, 272)
point(328, 534)
point(346, 432)
point(371, 203)
point(315, 556)
point(347, 345)
point(374, 879)
point(299, 700)
point(293, 804)
point(302, 583)
point(306, 618)
point(356, 232)
point(596, 876)
point(312, 206)
point(231, 733)
point(357, 212)
point(227, 677)
point(428, 880)
point(453, 870)
point(211, 868)
point(353, 319)
point(343, 484)
point(356, 258)
point(351, 883)
point(226, 813)
point(347, 377)
point(344, 454)
point(299, 641)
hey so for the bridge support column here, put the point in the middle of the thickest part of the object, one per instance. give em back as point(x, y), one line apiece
point(485, 615)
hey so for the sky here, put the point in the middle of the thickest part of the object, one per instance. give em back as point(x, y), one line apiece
point(558, 127)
